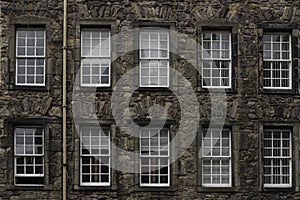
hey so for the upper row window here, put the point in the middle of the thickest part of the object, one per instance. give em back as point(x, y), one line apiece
point(216, 59)
point(154, 58)
point(30, 56)
point(277, 61)
point(95, 57)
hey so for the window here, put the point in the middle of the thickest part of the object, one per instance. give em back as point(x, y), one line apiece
point(277, 61)
point(277, 158)
point(30, 56)
point(154, 157)
point(154, 59)
point(95, 157)
point(29, 156)
point(216, 59)
point(95, 57)
point(216, 158)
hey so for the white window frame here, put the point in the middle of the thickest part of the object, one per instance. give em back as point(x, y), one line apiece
point(158, 58)
point(100, 131)
point(279, 185)
point(218, 157)
point(154, 156)
point(271, 60)
point(16, 155)
point(211, 59)
point(33, 57)
point(98, 58)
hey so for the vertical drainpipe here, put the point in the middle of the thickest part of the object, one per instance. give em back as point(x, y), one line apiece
point(64, 103)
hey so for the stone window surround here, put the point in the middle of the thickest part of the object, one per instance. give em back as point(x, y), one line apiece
point(294, 127)
point(150, 156)
point(293, 30)
point(113, 181)
point(91, 57)
point(235, 146)
point(216, 60)
point(21, 154)
point(159, 58)
point(220, 158)
point(219, 26)
point(34, 22)
point(144, 25)
point(10, 125)
point(26, 57)
point(97, 24)
point(170, 125)
point(103, 134)
point(285, 157)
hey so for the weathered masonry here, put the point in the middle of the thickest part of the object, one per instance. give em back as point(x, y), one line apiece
point(248, 48)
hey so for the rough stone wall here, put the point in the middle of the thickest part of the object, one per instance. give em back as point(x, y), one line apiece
point(18, 104)
point(246, 104)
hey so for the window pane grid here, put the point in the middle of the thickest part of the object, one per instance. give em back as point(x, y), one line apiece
point(154, 59)
point(95, 156)
point(154, 157)
point(216, 59)
point(30, 57)
point(95, 57)
point(216, 158)
point(277, 158)
point(28, 154)
point(277, 59)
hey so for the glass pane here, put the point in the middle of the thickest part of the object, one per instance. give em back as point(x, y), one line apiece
point(29, 170)
point(28, 150)
point(20, 170)
point(21, 51)
point(39, 170)
point(20, 140)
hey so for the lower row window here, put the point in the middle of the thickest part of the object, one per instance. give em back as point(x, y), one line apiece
point(95, 156)
point(29, 156)
point(277, 160)
point(216, 158)
point(154, 151)
point(154, 157)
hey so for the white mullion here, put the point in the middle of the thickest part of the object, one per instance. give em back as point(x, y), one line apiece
point(24, 146)
point(26, 67)
point(220, 45)
point(158, 71)
point(26, 39)
point(290, 158)
point(34, 46)
point(220, 56)
point(281, 151)
point(290, 61)
point(91, 43)
point(100, 68)
point(34, 165)
point(34, 73)
point(220, 167)
point(280, 46)
point(158, 170)
point(290, 171)
point(100, 49)
point(280, 70)
point(220, 71)
point(272, 171)
point(91, 72)
point(211, 170)
point(230, 62)
point(211, 45)
point(272, 50)
point(90, 172)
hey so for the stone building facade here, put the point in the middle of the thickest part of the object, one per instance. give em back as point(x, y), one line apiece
point(250, 150)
